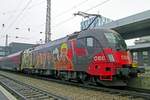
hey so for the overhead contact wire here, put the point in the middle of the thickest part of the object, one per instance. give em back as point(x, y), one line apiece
point(62, 22)
point(14, 21)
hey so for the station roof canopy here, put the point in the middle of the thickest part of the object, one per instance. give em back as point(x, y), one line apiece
point(133, 26)
point(139, 46)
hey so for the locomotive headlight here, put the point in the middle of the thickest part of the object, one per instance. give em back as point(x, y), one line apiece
point(111, 58)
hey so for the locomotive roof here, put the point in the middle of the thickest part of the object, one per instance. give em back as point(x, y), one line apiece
point(95, 30)
point(51, 43)
point(64, 39)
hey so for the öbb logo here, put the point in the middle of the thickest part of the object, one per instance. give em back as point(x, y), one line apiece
point(99, 58)
point(124, 57)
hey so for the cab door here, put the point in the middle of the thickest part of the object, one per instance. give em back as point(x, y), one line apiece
point(83, 50)
point(72, 46)
point(86, 49)
point(79, 53)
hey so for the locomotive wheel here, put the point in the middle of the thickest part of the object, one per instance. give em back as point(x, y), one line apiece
point(97, 81)
point(84, 79)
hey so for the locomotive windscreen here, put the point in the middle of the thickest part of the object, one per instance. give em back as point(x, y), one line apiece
point(115, 40)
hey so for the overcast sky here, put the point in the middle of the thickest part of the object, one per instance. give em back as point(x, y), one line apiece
point(19, 15)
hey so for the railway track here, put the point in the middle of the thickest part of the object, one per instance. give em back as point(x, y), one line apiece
point(132, 94)
point(26, 92)
point(122, 91)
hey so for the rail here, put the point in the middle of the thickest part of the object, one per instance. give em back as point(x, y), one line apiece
point(24, 91)
point(122, 91)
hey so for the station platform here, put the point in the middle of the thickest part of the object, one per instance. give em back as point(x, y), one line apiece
point(142, 81)
point(5, 95)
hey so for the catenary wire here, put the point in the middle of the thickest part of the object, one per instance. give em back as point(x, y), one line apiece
point(11, 15)
point(97, 5)
point(14, 21)
point(74, 7)
point(64, 21)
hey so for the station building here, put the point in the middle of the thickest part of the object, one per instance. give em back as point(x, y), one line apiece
point(15, 47)
point(4, 51)
point(141, 51)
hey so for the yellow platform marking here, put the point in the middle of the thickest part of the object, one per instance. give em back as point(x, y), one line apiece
point(7, 94)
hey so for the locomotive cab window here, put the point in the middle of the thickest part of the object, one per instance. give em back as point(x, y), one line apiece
point(93, 45)
point(116, 40)
point(81, 43)
point(90, 42)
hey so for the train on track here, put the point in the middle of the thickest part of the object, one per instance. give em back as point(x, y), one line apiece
point(93, 55)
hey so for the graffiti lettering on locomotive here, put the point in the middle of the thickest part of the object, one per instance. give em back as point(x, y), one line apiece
point(41, 59)
point(27, 60)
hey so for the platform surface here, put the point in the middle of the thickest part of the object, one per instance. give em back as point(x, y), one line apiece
point(142, 81)
point(5, 95)
point(2, 96)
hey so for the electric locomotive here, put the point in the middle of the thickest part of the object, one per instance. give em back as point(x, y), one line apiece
point(93, 55)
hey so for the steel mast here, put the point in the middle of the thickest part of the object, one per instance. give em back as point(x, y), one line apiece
point(48, 22)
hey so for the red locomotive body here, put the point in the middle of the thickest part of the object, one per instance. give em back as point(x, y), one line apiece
point(95, 55)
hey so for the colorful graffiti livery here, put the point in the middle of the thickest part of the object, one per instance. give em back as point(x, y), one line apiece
point(95, 55)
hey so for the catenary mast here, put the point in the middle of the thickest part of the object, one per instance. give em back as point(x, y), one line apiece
point(48, 22)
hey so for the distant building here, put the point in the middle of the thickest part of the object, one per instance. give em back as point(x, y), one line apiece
point(100, 21)
point(4, 51)
point(13, 48)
